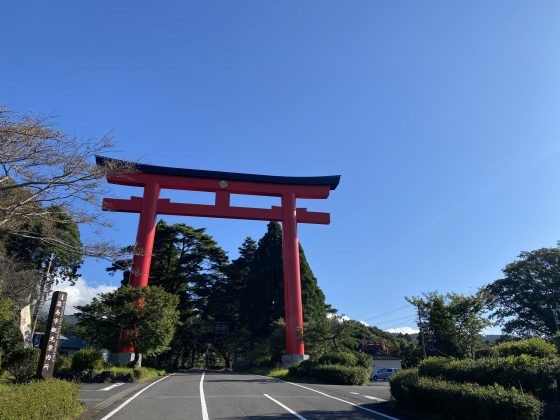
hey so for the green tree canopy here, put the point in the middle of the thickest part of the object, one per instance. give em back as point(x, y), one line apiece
point(149, 314)
point(450, 325)
point(526, 301)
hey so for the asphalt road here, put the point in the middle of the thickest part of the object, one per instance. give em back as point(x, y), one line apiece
point(219, 395)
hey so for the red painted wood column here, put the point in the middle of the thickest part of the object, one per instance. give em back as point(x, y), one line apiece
point(142, 258)
point(292, 280)
point(145, 237)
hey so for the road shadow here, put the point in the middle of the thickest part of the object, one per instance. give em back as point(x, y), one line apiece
point(352, 414)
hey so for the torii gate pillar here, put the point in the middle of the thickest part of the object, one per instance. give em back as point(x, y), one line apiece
point(223, 184)
point(295, 349)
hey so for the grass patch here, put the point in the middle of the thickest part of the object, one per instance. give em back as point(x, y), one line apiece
point(6, 378)
point(274, 372)
point(126, 374)
point(52, 399)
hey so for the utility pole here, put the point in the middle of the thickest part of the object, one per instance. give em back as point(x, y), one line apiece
point(421, 334)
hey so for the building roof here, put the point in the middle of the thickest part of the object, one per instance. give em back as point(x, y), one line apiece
point(73, 342)
point(331, 180)
point(385, 357)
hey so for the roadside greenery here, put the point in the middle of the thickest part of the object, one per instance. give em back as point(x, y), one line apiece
point(533, 347)
point(453, 400)
point(53, 399)
point(343, 368)
point(22, 364)
point(507, 384)
point(528, 373)
point(86, 359)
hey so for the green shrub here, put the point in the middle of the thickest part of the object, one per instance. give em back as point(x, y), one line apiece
point(302, 369)
point(528, 373)
point(533, 347)
point(22, 363)
point(401, 384)
point(86, 359)
point(45, 400)
point(364, 360)
point(339, 358)
point(486, 352)
point(462, 401)
point(341, 375)
point(62, 362)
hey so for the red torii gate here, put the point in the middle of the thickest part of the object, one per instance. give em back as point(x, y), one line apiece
point(155, 178)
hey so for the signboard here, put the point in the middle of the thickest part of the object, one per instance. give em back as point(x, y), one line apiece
point(25, 326)
point(49, 345)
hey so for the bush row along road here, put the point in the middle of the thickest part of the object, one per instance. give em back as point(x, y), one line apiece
point(219, 395)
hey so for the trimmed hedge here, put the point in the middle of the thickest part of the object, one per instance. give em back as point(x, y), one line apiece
point(462, 401)
point(341, 375)
point(53, 399)
point(339, 358)
point(303, 369)
point(531, 374)
point(532, 346)
point(86, 359)
point(22, 363)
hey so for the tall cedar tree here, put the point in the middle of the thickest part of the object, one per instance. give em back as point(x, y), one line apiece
point(224, 303)
point(188, 262)
point(264, 296)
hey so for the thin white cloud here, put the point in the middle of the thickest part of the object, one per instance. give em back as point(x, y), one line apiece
point(81, 293)
point(339, 318)
point(364, 323)
point(403, 330)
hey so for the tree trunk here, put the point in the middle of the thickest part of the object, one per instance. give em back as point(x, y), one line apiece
point(193, 357)
point(44, 290)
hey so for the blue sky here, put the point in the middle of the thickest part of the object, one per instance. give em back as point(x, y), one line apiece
point(442, 118)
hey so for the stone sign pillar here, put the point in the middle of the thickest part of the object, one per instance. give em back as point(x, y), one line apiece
point(49, 345)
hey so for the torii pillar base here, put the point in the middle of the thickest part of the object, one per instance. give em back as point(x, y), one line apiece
point(123, 358)
point(293, 359)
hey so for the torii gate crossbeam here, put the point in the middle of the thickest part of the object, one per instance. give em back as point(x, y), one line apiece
point(155, 178)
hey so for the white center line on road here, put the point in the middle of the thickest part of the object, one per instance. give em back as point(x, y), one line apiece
point(344, 401)
point(202, 399)
point(355, 393)
point(108, 388)
point(288, 409)
point(116, 410)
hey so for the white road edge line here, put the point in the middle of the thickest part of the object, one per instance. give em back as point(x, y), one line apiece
point(344, 401)
point(112, 413)
point(202, 399)
point(369, 397)
point(334, 398)
point(110, 387)
point(288, 409)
